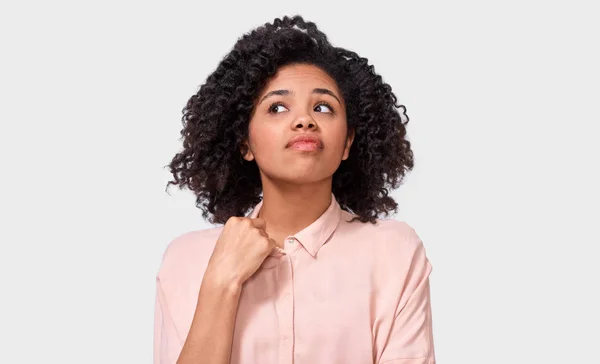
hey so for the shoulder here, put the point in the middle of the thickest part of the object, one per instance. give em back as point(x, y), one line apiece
point(397, 235)
point(389, 246)
point(397, 230)
point(188, 251)
point(391, 236)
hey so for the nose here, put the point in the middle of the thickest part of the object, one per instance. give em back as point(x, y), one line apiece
point(305, 122)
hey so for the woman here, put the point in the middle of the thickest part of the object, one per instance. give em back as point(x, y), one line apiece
point(308, 139)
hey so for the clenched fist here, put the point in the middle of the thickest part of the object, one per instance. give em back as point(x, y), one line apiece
point(240, 250)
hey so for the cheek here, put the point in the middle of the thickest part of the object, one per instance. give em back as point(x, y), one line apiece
point(264, 140)
point(339, 140)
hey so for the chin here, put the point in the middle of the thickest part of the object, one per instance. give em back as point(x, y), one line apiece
point(298, 178)
point(299, 173)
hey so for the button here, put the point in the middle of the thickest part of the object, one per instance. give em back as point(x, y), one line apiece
point(290, 240)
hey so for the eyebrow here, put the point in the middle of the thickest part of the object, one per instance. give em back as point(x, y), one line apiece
point(320, 91)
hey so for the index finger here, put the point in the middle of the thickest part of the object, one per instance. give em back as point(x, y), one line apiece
point(259, 223)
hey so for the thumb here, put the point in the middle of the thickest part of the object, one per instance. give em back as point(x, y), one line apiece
point(276, 250)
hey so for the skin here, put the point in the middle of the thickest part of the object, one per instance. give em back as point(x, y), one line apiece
point(296, 191)
point(297, 184)
point(240, 250)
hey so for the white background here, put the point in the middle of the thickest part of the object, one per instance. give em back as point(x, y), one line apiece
point(503, 99)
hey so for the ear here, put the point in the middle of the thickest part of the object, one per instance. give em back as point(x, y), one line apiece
point(246, 152)
point(349, 141)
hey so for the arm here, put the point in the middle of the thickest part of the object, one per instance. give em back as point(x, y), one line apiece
point(211, 332)
point(411, 338)
point(241, 248)
point(167, 343)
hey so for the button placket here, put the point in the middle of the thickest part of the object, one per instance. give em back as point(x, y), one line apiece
point(285, 309)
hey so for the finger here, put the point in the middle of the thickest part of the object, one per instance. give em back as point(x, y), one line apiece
point(259, 223)
point(276, 250)
point(263, 234)
point(272, 243)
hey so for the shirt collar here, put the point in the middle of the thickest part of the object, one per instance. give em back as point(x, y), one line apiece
point(314, 236)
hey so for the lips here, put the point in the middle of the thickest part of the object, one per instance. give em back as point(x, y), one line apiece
point(305, 142)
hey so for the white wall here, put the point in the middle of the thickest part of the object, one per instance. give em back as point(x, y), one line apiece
point(503, 100)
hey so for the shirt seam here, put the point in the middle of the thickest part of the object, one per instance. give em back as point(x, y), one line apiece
point(165, 308)
point(420, 357)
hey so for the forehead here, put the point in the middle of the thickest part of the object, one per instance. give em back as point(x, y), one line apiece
point(300, 76)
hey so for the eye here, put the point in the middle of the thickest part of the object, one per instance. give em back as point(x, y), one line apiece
point(274, 108)
point(324, 106)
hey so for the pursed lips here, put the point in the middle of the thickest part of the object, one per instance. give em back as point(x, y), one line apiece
point(305, 143)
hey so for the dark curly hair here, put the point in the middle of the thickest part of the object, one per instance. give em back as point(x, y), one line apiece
point(215, 124)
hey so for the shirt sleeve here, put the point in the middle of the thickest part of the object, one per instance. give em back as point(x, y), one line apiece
point(411, 337)
point(167, 344)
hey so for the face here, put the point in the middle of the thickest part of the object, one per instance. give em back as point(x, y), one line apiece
point(301, 103)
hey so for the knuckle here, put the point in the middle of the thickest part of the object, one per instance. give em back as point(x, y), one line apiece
point(233, 220)
point(266, 242)
point(257, 233)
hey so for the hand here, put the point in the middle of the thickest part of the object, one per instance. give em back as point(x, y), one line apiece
point(240, 250)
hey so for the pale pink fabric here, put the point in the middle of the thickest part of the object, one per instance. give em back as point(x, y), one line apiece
point(348, 293)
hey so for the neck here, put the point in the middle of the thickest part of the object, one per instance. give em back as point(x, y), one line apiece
point(287, 209)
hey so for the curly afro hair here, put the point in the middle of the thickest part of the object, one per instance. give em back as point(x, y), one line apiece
point(215, 124)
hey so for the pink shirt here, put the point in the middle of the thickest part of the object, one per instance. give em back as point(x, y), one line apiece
point(350, 293)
